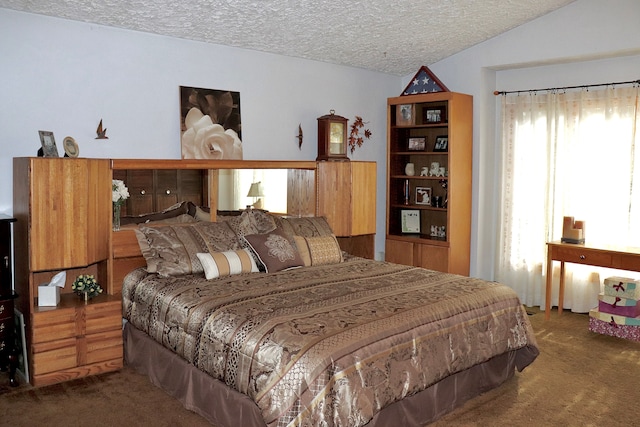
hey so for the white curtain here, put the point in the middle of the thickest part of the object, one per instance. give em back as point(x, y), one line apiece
point(566, 154)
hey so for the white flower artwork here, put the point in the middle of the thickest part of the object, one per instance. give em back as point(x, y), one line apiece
point(210, 124)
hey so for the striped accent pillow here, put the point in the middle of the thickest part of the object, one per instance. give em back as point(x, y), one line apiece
point(228, 263)
point(320, 250)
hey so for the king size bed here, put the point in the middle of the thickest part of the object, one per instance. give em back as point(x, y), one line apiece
point(259, 320)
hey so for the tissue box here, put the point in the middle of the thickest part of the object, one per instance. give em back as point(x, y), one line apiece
point(48, 295)
point(622, 287)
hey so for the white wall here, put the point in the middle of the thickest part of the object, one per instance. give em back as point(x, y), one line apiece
point(586, 42)
point(64, 76)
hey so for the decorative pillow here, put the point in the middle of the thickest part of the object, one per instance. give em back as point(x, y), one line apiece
point(228, 263)
point(304, 226)
point(171, 250)
point(319, 250)
point(274, 250)
point(251, 221)
point(171, 212)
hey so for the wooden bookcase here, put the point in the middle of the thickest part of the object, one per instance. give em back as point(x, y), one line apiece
point(433, 236)
point(63, 212)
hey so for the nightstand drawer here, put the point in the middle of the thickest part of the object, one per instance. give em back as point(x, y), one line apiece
point(54, 356)
point(6, 309)
point(54, 325)
point(103, 317)
point(6, 327)
point(104, 346)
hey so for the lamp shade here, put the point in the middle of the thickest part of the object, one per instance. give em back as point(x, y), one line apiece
point(256, 190)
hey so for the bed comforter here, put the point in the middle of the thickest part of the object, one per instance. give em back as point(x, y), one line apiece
point(334, 344)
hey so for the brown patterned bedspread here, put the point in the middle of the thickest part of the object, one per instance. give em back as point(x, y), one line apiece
point(330, 345)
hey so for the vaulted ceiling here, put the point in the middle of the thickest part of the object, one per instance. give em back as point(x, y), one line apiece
point(393, 37)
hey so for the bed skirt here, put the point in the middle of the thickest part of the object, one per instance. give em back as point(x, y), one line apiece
point(225, 407)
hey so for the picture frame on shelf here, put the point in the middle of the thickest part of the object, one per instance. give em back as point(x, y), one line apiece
point(417, 144)
point(441, 144)
point(410, 220)
point(48, 143)
point(70, 147)
point(405, 115)
point(434, 115)
point(423, 196)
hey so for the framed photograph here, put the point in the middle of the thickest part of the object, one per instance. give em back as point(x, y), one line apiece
point(417, 144)
point(423, 196)
point(405, 115)
point(434, 115)
point(442, 143)
point(21, 345)
point(70, 147)
point(49, 148)
point(410, 221)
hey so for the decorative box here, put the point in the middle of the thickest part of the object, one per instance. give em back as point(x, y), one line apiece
point(622, 287)
point(617, 305)
point(628, 332)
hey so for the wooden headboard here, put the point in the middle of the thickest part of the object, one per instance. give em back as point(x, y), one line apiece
point(125, 252)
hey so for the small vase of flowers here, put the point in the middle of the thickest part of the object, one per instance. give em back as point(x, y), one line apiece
point(86, 286)
point(119, 194)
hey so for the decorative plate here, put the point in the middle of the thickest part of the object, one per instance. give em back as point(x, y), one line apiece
point(70, 147)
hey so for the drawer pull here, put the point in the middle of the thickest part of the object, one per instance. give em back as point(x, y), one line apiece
point(143, 192)
point(1, 308)
point(168, 191)
point(1, 327)
point(6, 261)
point(582, 257)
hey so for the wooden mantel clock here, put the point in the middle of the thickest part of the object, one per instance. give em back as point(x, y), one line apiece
point(332, 137)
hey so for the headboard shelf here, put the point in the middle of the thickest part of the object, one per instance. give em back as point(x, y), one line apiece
point(210, 164)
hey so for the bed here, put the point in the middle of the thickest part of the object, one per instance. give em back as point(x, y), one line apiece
point(259, 320)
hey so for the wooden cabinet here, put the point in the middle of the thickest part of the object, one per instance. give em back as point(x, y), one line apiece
point(429, 203)
point(347, 198)
point(8, 356)
point(153, 190)
point(63, 212)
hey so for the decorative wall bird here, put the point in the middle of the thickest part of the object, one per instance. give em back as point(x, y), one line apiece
point(102, 133)
point(299, 136)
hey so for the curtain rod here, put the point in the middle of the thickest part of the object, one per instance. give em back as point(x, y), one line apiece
point(550, 89)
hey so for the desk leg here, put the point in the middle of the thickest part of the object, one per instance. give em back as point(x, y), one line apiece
point(547, 299)
point(561, 290)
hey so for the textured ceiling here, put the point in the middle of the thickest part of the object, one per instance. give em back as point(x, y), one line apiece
point(393, 37)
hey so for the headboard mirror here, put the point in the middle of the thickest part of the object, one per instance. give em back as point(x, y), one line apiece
point(282, 187)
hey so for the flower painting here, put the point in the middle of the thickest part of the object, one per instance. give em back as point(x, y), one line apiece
point(210, 124)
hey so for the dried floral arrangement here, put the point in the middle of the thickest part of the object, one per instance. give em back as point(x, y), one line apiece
point(355, 139)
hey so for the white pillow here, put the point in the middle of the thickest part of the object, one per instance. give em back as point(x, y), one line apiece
point(228, 263)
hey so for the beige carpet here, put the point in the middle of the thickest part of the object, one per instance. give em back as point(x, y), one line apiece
point(579, 379)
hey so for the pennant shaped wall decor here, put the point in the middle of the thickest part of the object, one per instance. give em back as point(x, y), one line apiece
point(424, 82)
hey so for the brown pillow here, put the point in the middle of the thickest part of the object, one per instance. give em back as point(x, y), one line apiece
point(251, 221)
point(320, 250)
point(313, 226)
point(171, 250)
point(274, 250)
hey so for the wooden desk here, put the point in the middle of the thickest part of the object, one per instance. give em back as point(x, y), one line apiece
point(623, 258)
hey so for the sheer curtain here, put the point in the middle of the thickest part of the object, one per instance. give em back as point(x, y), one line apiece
point(566, 154)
